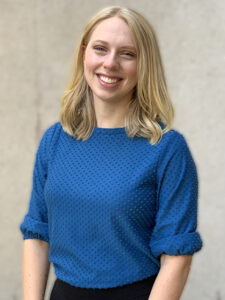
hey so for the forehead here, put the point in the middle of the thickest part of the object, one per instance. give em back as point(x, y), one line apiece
point(113, 30)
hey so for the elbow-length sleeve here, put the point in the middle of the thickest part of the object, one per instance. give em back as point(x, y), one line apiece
point(35, 222)
point(174, 232)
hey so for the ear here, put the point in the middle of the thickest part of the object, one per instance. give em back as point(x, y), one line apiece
point(83, 48)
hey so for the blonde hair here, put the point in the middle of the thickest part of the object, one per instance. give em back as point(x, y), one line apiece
point(150, 104)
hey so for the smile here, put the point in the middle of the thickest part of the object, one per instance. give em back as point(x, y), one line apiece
point(108, 80)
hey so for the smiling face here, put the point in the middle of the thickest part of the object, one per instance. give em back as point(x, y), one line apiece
point(110, 61)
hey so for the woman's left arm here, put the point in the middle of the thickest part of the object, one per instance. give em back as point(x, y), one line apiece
point(171, 278)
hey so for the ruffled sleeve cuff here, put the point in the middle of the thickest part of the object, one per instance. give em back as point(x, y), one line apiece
point(180, 244)
point(33, 229)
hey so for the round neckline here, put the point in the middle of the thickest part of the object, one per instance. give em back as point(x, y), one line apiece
point(114, 130)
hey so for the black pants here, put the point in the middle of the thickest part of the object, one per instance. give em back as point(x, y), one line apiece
point(139, 290)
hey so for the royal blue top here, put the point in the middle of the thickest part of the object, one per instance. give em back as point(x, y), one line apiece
point(111, 205)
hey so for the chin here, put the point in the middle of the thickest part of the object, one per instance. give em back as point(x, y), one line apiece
point(106, 97)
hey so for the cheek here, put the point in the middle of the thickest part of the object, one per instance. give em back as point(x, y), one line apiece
point(88, 69)
point(90, 62)
point(132, 71)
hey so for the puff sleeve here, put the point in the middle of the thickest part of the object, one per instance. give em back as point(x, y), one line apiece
point(35, 223)
point(174, 232)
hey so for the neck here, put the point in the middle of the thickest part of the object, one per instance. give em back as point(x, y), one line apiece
point(110, 115)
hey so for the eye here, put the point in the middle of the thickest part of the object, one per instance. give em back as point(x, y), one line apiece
point(128, 54)
point(99, 48)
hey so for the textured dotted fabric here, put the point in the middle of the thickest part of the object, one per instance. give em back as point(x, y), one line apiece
point(111, 205)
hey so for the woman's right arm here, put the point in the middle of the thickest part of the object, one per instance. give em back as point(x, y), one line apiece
point(35, 269)
point(34, 226)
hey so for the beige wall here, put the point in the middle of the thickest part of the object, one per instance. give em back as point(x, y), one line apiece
point(37, 39)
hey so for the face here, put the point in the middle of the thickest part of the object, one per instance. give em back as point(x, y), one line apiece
point(110, 61)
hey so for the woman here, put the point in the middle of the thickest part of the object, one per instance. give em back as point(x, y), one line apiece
point(114, 197)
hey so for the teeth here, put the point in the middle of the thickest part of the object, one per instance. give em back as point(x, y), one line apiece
point(108, 80)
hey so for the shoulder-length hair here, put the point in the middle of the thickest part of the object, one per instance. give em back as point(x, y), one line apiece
point(150, 104)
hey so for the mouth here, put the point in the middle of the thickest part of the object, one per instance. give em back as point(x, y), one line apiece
point(108, 80)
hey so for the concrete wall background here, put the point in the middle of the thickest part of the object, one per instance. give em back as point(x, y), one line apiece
point(37, 40)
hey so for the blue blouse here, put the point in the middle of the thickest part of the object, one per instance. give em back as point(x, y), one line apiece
point(111, 205)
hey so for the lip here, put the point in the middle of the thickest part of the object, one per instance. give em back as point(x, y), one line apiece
point(109, 76)
point(106, 84)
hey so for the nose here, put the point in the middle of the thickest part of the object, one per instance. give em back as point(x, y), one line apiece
point(110, 61)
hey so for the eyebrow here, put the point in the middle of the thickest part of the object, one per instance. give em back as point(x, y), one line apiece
point(125, 46)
